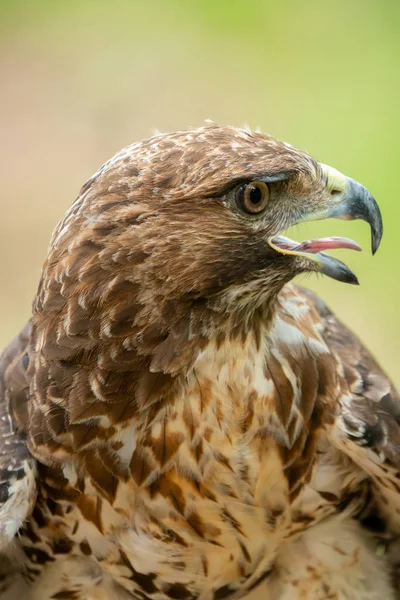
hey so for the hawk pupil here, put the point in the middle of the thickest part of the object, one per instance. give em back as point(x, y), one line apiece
point(255, 195)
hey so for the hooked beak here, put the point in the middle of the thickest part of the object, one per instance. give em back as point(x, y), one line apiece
point(354, 201)
point(348, 200)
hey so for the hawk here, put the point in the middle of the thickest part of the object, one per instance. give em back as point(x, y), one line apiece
point(178, 420)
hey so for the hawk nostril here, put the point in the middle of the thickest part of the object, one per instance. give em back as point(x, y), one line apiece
point(336, 192)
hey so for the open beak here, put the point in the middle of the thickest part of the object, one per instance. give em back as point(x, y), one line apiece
point(348, 200)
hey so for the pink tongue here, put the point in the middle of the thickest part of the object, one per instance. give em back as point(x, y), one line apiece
point(328, 243)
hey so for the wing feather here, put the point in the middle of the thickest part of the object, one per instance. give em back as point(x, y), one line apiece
point(367, 427)
point(17, 467)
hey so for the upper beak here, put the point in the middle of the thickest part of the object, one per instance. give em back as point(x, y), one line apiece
point(353, 201)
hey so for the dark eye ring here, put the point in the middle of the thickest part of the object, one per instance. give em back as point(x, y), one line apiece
point(253, 197)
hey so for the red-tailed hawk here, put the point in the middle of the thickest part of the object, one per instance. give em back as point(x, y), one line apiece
point(178, 421)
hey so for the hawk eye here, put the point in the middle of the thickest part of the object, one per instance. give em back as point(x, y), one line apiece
point(253, 197)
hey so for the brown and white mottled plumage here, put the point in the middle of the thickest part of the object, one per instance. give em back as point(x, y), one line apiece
point(177, 420)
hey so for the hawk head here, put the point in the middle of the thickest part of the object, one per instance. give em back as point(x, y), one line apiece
point(201, 213)
point(183, 232)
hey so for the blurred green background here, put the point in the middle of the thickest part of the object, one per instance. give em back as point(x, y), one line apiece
point(81, 79)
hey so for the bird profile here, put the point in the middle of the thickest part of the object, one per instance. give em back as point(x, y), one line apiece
point(178, 419)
